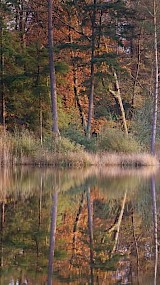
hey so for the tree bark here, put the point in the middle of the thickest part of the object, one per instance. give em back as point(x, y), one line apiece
point(137, 72)
point(2, 98)
point(53, 90)
point(91, 95)
point(117, 94)
point(156, 86)
point(75, 86)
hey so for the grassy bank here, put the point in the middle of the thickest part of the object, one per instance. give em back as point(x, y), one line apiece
point(24, 149)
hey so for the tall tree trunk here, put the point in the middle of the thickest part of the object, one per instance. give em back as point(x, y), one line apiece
point(156, 86)
point(91, 95)
point(52, 71)
point(22, 24)
point(2, 99)
point(155, 225)
point(117, 95)
point(75, 82)
point(52, 236)
point(137, 72)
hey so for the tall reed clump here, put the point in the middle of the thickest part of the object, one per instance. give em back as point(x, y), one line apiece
point(24, 147)
point(54, 151)
point(5, 148)
point(63, 152)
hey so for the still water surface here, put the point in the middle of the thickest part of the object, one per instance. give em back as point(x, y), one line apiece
point(106, 228)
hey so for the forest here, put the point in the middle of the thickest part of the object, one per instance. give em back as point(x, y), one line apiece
point(87, 70)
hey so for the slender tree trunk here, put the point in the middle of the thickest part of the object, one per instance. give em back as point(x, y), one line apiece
point(22, 24)
point(137, 72)
point(156, 86)
point(91, 95)
point(52, 71)
point(40, 100)
point(52, 237)
point(117, 94)
point(2, 99)
point(75, 86)
point(82, 115)
point(155, 225)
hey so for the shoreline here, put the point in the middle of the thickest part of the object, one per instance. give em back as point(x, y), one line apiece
point(81, 159)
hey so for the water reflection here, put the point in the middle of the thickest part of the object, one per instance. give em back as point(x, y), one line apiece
point(88, 226)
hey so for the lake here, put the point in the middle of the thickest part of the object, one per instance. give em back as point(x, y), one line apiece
point(101, 225)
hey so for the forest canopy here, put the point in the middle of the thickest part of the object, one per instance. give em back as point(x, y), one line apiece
point(104, 60)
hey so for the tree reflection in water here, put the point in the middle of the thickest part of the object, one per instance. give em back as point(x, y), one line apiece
point(102, 224)
point(155, 225)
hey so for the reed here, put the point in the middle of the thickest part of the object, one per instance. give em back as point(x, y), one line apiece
point(24, 149)
point(123, 159)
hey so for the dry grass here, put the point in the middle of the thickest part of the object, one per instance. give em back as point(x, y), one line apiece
point(24, 149)
point(82, 158)
point(135, 159)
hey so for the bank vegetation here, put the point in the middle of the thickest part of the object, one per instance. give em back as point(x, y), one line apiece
point(111, 147)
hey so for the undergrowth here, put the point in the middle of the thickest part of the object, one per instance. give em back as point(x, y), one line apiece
point(110, 147)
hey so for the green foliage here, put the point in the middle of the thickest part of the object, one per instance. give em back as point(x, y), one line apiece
point(142, 123)
point(76, 135)
point(114, 140)
point(24, 143)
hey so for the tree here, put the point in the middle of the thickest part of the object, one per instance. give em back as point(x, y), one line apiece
point(92, 71)
point(52, 70)
point(156, 77)
point(2, 99)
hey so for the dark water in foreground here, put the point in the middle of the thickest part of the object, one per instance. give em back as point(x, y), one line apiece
point(107, 226)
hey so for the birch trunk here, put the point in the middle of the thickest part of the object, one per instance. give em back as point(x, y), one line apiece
point(156, 86)
point(117, 94)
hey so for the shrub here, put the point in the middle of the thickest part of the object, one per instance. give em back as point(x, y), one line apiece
point(61, 145)
point(113, 140)
point(78, 136)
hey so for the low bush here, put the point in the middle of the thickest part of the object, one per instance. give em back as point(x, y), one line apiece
point(77, 136)
point(113, 140)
